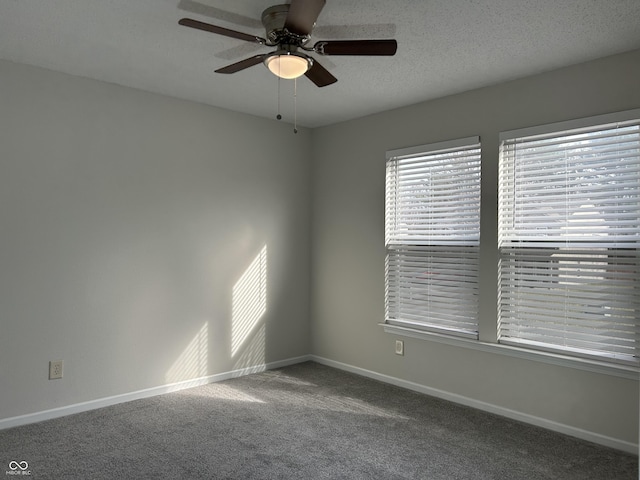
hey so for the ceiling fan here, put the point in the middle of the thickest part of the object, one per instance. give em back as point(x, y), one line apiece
point(288, 28)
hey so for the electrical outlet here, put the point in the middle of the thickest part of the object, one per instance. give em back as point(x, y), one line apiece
point(55, 369)
point(399, 347)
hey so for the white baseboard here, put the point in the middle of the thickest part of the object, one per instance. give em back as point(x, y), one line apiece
point(174, 387)
point(487, 407)
point(148, 392)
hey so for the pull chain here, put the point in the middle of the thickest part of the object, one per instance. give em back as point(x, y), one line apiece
point(279, 117)
point(295, 105)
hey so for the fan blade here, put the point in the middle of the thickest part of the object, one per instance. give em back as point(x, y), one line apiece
point(320, 75)
point(356, 47)
point(188, 22)
point(241, 65)
point(302, 15)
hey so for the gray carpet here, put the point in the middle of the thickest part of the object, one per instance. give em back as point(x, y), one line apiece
point(306, 421)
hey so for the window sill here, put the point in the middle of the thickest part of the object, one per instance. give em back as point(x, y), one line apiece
point(622, 371)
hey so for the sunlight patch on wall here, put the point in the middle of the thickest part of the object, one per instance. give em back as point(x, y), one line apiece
point(193, 361)
point(252, 352)
point(249, 301)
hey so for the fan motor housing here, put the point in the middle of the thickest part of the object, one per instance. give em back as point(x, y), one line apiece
point(273, 19)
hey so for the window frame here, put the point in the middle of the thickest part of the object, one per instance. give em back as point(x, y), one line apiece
point(590, 249)
point(488, 313)
point(407, 248)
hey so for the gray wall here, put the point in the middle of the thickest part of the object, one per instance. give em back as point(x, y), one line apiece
point(131, 228)
point(347, 281)
point(126, 220)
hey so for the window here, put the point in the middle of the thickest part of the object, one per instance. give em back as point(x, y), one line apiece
point(569, 239)
point(432, 236)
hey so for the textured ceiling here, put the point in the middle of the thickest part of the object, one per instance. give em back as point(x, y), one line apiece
point(444, 47)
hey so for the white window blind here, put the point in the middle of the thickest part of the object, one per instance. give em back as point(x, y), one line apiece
point(432, 235)
point(569, 240)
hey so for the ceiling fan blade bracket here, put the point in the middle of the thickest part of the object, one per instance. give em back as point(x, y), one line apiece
point(318, 48)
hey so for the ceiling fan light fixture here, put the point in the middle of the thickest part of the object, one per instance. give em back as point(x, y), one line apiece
point(288, 65)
